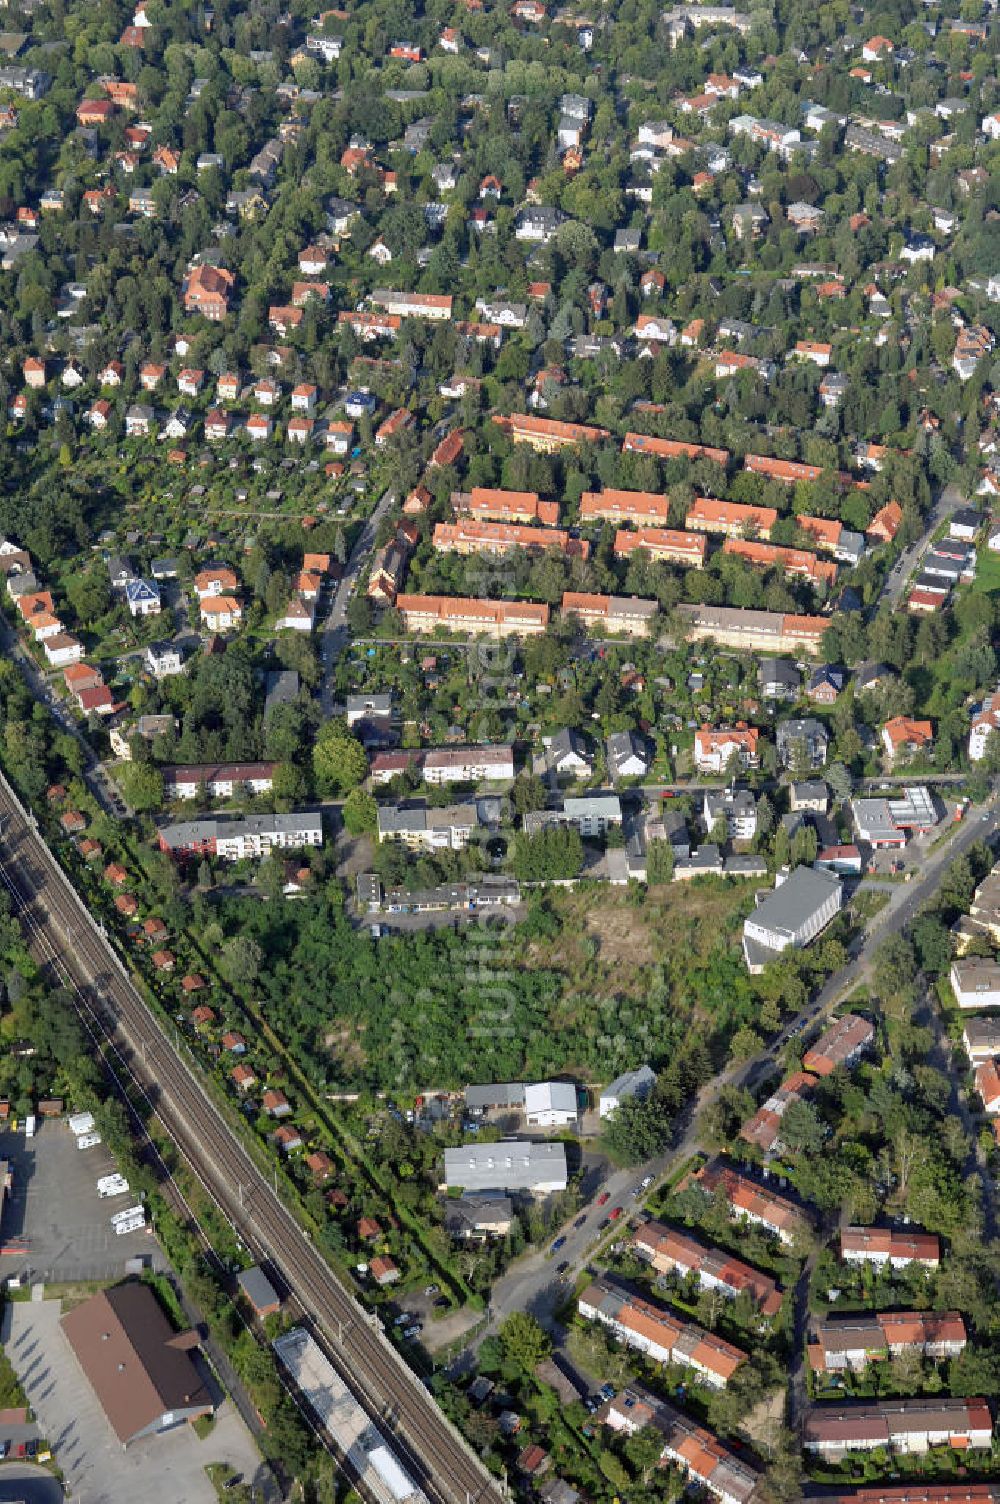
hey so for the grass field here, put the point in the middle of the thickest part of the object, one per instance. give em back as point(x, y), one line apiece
point(987, 580)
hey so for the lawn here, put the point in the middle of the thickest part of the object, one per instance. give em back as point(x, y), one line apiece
point(987, 580)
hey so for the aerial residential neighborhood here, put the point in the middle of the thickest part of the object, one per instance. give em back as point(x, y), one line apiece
point(500, 753)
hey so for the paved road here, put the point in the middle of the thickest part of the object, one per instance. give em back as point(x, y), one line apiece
point(334, 633)
point(532, 1283)
point(898, 579)
point(64, 936)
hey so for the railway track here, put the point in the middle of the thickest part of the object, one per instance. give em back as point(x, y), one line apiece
point(437, 1457)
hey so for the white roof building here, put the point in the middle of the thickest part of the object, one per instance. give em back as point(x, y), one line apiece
point(550, 1104)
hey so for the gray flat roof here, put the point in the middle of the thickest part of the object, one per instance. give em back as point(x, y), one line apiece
point(789, 907)
point(510, 1165)
point(257, 1288)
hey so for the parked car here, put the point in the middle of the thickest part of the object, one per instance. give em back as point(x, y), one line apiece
point(604, 1198)
point(614, 1214)
point(559, 1243)
point(607, 1391)
point(646, 1182)
point(580, 1220)
point(432, 1289)
point(561, 1268)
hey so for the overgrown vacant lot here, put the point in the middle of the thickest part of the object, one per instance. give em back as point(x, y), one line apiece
point(594, 981)
point(613, 936)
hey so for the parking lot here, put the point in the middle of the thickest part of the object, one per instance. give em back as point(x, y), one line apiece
point(164, 1469)
point(54, 1225)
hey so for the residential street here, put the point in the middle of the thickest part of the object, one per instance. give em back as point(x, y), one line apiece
point(898, 579)
point(333, 633)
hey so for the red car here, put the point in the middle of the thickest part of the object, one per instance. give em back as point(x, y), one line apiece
point(614, 1213)
point(604, 1198)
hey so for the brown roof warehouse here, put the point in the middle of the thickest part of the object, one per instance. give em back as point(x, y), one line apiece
point(140, 1369)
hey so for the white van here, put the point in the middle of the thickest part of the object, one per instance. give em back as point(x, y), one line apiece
point(112, 1185)
point(88, 1140)
point(29, 1125)
point(129, 1221)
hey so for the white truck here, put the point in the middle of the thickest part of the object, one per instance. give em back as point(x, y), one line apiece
point(81, 1123)
point(112, 1185)
point(131, 1220)
point(88, 1141)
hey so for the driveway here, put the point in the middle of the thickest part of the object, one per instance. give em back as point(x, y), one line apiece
point(164, 1469)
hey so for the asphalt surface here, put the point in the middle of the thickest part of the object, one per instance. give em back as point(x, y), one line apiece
point(533, 1284)
point(334, 633)
point(64, 938)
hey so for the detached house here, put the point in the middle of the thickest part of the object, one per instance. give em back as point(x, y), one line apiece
point(714, 749)
point(903, 736)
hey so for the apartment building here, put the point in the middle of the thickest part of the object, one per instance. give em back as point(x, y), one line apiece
point(498, 538)
point(424, 614)
point(737, 807)
point(412, 305)
point(750, 1202)
point(911, 1426)
point(490, 505)
point(236, 839)
point(625, 506)
point(849, 1343)
point(975, 981)
point(218, 780)
point(729, 518)
point(895, 1246)
point(982, 726)
point(441, 765)
point(833, 537)
point(624, 614)
point(428, 829)
point(799, 563)
point(590, 814)
point(666, 545)
point(790, 472)
point(672, 449)
point(842, 1044)
point(746, 629)
point(981, 1038)
point(763, 1127)
point(672, 1252)
point(714, 749)
point(657, 1332)
point(547, 435)
point(690, 1447)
